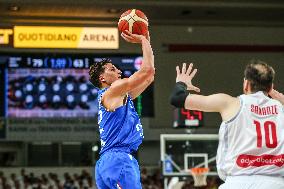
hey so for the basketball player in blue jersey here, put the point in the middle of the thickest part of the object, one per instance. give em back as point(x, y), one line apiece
point(121, 131)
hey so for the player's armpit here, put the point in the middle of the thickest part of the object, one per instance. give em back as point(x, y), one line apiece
point(121, 87)
point(114, 102)
point(114, 96)
point(212, 103)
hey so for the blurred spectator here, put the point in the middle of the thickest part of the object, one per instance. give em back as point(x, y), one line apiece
point(11, 183)
point(149, 179)
point(21, 179)
point(1, 180)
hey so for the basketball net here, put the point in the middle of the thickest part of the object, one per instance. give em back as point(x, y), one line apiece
point(199, 176)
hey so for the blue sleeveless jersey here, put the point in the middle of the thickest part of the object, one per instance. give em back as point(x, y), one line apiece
point(121, 129)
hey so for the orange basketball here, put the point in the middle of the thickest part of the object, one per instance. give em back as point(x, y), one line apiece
point(134, 21)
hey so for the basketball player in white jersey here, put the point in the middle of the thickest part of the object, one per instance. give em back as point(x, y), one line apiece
point(251, 137)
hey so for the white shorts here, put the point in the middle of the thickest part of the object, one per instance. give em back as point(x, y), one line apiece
point(253, 182)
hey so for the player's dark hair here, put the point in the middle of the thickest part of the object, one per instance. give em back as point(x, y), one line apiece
point(260, 75)
point(96, 70)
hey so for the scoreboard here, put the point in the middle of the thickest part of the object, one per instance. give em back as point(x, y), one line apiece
point(57, 85)
point(187, 118)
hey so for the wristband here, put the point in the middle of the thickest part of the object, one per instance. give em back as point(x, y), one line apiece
point(179, 95)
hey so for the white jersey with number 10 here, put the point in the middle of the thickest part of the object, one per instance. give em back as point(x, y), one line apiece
point(252, 143)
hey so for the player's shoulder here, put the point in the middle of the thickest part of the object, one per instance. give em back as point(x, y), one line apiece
point(231, 106)
point(226, 101)
point(227, 97)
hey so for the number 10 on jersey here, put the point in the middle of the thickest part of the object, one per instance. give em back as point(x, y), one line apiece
point(269, 134)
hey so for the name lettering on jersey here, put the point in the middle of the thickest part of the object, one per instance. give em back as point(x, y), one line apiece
point(268, 110)
point(139, 128)
point(103, 143)
point(130, 156)
point(100, 116)
point(101, 130)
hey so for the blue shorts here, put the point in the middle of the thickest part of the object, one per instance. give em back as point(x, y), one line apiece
point(117, 170)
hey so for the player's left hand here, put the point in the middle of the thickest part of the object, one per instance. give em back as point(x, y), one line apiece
point(186, 76)
point(132, 38)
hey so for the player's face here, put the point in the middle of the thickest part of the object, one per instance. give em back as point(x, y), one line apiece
point(111, 74)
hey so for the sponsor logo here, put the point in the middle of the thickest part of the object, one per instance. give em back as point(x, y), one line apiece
point(66, 37)
point(245, 160)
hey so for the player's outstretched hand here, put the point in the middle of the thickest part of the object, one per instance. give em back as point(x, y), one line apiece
point(132, 38)
point(277, 95)
point(186, 75)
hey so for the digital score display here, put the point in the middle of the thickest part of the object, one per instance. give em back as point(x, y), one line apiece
point(187, 118)
point(57, 85)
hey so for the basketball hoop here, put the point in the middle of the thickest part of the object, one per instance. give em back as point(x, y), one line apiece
point(199, 175)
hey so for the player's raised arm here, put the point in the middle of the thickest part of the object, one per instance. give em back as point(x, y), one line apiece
point(142, 86)
point(146, 72)
point(277, 95)
point(182, 98)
